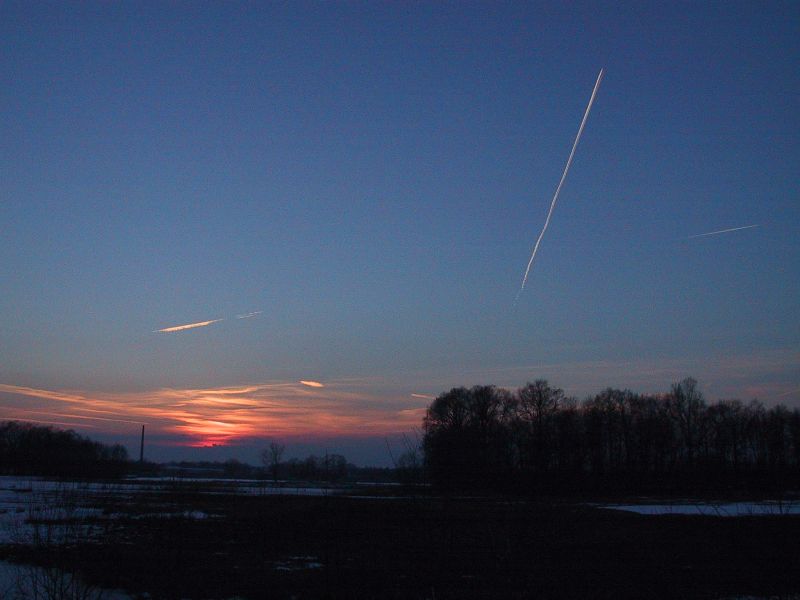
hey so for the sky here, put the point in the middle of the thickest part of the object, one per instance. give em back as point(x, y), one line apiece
point(345, 196)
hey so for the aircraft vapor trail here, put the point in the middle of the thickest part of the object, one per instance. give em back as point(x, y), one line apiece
point(250, 314)
point(188, 326)
point(560, 183)
point(311, 383)
point(204, 323)
point(68, 416)
point(722, 231)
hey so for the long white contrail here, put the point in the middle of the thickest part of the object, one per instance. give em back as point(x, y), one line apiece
point(560, 183)
point(722, 231)
point(204, 323)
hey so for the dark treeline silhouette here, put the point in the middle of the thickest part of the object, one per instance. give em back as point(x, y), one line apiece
point(327, 467)
point(539, 440)
point(27, 449)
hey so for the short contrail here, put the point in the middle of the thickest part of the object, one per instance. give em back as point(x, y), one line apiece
point(722, 231)
point(188, 326)
point(250, 314)
point(789, 393)
point(309, 383)
point(560, 183)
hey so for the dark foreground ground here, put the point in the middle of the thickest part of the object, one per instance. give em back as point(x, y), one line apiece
point(338, 547)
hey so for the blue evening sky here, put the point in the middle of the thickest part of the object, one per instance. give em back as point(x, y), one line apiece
point(372, 176)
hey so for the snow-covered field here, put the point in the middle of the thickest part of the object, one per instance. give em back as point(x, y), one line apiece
point(37, 510)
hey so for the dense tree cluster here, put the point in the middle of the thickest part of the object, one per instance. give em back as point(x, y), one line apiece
point(537, 438)
point(27, 449)
point(328, 467)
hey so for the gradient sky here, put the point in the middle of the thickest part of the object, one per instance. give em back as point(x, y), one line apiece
point(371, 178)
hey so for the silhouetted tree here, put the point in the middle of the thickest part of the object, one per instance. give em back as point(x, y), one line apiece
point(271, 458)
point(686, 408)
point(536, 407)
point(467, 436)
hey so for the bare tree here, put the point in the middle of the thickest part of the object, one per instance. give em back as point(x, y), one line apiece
point(537, 405)
point(271, 458)
point(687, 406)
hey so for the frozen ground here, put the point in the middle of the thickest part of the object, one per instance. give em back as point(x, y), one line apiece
point(26, 582)
point(89, 518)
point(35, 510)
point(711, 509)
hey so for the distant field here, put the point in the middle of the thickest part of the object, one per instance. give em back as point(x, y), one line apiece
point(249, 539)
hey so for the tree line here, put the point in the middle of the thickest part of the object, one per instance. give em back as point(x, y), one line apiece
point(27, 449)
point(539, 439)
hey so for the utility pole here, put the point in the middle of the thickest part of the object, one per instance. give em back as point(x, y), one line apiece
point(141, 448)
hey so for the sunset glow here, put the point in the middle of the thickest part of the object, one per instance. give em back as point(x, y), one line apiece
point(344, 194)
point(217, 416)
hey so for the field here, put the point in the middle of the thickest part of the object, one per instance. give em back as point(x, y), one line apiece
point(200, 539)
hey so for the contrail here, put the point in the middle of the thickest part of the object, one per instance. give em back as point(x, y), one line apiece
point(423, 396)
point(188, 326)
point(722, 231)
point(560, 183)
point(250, 314)
point(309, 383)
point(68, 416)
point(204, 323)
point(789, 393)
point(63, 424)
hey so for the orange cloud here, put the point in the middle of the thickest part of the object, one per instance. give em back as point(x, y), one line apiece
point(214, 416)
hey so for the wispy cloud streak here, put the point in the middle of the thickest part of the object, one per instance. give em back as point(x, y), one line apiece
point(560, 183)
point(187, 326)
point(722, 231)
